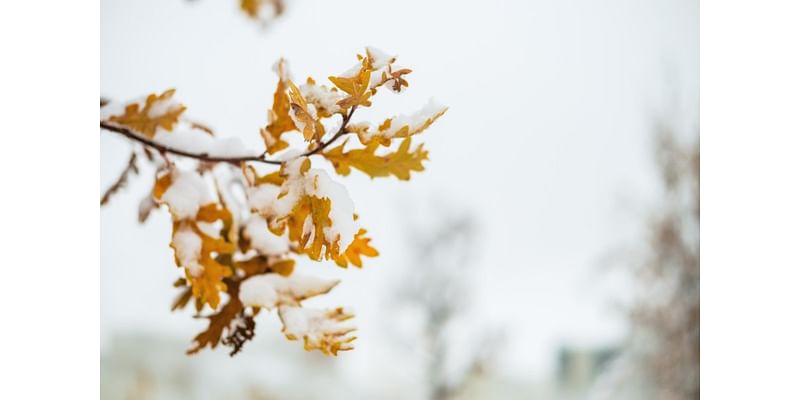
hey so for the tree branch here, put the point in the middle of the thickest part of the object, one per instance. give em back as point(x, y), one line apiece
point(122, 181)
point(133, 135)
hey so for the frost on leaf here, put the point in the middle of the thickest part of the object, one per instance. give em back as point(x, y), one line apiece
point(158, 111)
point(399, 163)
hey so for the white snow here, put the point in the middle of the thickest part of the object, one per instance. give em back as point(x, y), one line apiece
point(162, 107)
point(322, 96)
point(261, 198)
point(272, 290)
point(188, 246)
point(320, 328)
point(262, 239)
point(318, 183)
point(187, 193)
point(379, 58)
point(281, 67)
point(415, 122)
point(197, 141)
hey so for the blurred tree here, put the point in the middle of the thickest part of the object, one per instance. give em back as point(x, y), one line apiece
point(663, 352)
point(440, 294)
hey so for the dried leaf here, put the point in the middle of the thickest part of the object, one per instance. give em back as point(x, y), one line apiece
point(218, 322)
point(242, 330)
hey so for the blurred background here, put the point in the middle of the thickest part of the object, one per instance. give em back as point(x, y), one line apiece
point(549, 251)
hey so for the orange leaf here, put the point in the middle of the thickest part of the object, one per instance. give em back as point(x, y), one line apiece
point(359, 247)
point(142, 119)
point(279, 120)
point(308, 124)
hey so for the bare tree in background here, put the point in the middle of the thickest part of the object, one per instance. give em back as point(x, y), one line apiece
point(670, 316)
point(443, 255)
point(663, 353)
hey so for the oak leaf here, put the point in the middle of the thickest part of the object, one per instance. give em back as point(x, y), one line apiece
point(218, 322)
point(357, 86)
point(306, 122)
point(153, 115)
point(278, 116)
point(399, 163)
point(359, 247)
point(317, 211)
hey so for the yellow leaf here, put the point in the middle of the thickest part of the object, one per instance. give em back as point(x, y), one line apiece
point(311, 128)
point(399, 163)
point(250, 7)
point(359, 247)
point(389, 129)
point(279, 120)
point(142, 121)
point(318, 209)
point(162, 184)
point(356, 86)
point(273, 178)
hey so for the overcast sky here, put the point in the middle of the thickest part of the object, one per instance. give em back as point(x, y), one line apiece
point(546, 143)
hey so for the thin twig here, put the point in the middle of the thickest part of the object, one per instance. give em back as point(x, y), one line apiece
point(130, 134)
point(121, 181)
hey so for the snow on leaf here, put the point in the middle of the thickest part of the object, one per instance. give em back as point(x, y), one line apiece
point(316, 211)
point(402, 126)
point(399, 163)
point(262, 239)
point(273, 290)
point(278, 116)
point(357, 86)
point(304, 115)
point(320, 329)
point(184, 192)
point(158, 111)
point(323, 98)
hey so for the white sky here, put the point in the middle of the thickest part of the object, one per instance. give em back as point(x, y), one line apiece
point(546, 142)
